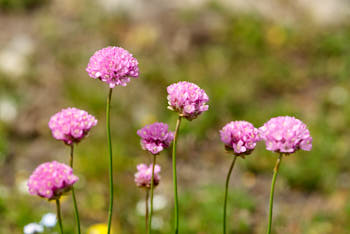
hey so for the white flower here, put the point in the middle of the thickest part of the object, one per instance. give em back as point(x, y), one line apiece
point(33, 228)
point(49, 220)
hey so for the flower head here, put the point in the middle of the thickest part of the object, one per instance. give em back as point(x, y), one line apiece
point(49, 220)
point(240, 136)
point(33, 228)
point(155, 137)
point(113, 65)
point(285, 134)
point(187, 99)
point(71, 125)
point(50, 180)
point(143, 176)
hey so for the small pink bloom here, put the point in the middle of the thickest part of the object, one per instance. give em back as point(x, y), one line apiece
point(113, 65)
point(71, 125)
point(155, 137)
point(285, 134)
point(143, 176)
point(240, 136)
point(50, 180)
point(187, 99)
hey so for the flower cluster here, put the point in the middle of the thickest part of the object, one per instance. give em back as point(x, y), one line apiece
point(143, 176)
point(51, 180)
point(240, 136)
point(71, 125)
point(187, 99)
point(285, 134)
point(155, 137)
point(113, 65)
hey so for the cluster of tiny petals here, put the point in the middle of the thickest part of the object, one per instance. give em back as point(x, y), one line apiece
point(71, 125)
point(240, 136)
point(187, 99)
point(143, 176)
point(51, 179)
point(155, 137)
point(285, 134)
point(113, 65)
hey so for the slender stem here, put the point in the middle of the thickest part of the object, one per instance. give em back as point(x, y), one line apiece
point(59, 218)
point(176, 201)
point(152, 188)
point(275, 171)
point(110, 209)
point(146, 216)
point(76, 211)
point(226, 190)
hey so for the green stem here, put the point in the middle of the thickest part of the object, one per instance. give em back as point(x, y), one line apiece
point(110, 209)
point(176, 201)
point(275, 171)
point(146, 216)
point(226, 191)
point(59, 218)
point(76, 211)
point(152, 188)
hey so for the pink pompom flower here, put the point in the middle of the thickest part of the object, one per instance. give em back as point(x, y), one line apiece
point(285, 134)
point(155, 137)
point(239, 136)
point(187, 99)
point(143, 176)
point(113, 65)
point(51, 179)
point(71, 125)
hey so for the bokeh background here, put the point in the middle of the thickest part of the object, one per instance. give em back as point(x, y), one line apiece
point(255, 59)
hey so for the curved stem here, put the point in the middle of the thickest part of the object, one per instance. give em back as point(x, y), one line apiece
point(275, 171)
point(226, 191)
point(152, 188)
point(76, 211)
point(110, 209)
point(176, 201)
point(59, 218)
point(146, 215)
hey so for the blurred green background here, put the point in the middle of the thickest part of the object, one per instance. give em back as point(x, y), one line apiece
point(254, 60)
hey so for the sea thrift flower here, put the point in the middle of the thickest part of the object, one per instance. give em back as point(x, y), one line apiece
point(113, 65)
point(240, 136)
point(50, 180)
point(155, 137)
point(187, 99)
point(143, 176)
point(71, 125)
point(286, 135)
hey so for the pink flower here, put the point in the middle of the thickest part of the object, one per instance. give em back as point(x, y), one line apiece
point(155, 137)
point(143, 176)
point(71, 125)
point(285, 134)
point(51, 180)
point(240, 136)
point(187, 99)
point(113, 65)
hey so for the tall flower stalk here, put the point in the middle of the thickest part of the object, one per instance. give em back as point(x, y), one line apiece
point(154, 138)
point(110, 154)
point(240, 138)
point(59, 217)
point(71, 125)
point(176, 199)
point(275, 171)
point(284, 135)
point(189, 101)
point(114, 66)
